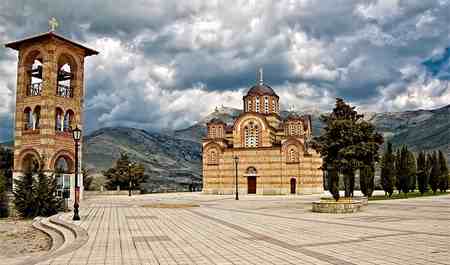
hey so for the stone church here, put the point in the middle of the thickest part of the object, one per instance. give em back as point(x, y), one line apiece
point(271, 153)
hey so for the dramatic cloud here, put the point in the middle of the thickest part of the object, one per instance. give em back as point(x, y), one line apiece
point(164, 64)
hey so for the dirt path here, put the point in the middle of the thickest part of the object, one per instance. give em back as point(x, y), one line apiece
point(20, 240)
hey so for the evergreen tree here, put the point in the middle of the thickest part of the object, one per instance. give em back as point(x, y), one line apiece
point(388, 170)
point(403, 171)
point(24, 195)
point(411, 167)
point(47, 203)
point(422, 174)
point(398, 169)
point(6, 166)
point(123, 171)
point(333, 183)
point(4, 207)
point(435, 173)
point(348, 143)
point(443, 179)
point(367, 177)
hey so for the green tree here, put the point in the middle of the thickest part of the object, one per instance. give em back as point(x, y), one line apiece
point(348, 143)
point(411, 169)
point(398, 169)
point(24, 195)
point(6, 166)
point(443, 179)
point(388, 170)
point(422, 174)
point(367, 177)
point(124, 171)
point(435, 173)
point(46, 202)
point(403, 172)
point(333, 182)
point(4, 207)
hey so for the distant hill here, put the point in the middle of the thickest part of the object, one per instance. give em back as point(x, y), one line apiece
point(170, 162)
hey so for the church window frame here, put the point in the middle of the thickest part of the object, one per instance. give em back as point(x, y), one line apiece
point(213, 156)
point(257, 104)
point(251, 135)
point(266, 104)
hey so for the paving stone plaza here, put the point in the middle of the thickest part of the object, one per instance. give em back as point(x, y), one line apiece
point(193, 228)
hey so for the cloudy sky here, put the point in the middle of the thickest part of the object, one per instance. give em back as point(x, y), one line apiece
point(164, 64)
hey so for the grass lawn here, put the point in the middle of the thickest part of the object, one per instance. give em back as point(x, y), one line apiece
point(396, 196)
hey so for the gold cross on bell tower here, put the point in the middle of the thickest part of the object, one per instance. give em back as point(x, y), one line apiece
point(53, 24)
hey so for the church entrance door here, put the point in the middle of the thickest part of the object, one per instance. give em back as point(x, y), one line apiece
point(293, 185)
point(251, 184)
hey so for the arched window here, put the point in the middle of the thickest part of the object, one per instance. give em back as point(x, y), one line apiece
point(273, 105)
point(212, 158)
point(36, 117)
point(266, 104)
point(34, 70)
point(292, 155)
point(68, 120)
point(251, 135)
point(59, 120)
point(27, 119)
point(30, 163)
point(64, 88)
point(249, 105)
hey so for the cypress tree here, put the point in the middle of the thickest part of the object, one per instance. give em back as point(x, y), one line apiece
point(435, 173)
point(4, 209)
point(403, 171)
point(333, 183)
point(398, 169)
point(443, 180)
point(422, 174)
point(388, 170)
point(412, 170)
point(367, 177)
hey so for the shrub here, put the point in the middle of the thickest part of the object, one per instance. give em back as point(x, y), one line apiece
point(4, 211)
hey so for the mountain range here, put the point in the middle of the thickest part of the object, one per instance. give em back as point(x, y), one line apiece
point(173, 159)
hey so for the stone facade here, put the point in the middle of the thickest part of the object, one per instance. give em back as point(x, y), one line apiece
point(273, 154)
point(49, 102)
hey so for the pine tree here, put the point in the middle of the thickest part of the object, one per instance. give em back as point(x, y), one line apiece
point(435, 173)
point(443, 179)
point(388, 170)
point(4, 207)
point(47, 203)
point(24, 195)
point(348, 143)
point(121, 173)
point(422, 174)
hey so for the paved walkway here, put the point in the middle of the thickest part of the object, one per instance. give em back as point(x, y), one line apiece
point(167, 229)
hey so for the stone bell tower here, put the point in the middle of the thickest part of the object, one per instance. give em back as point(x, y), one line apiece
point(49, 103)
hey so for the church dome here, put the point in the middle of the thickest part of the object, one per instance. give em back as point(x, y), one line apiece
point(261, 90)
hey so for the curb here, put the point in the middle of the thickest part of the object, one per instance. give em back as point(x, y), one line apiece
point(81, 237)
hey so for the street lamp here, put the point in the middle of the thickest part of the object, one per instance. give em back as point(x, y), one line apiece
point(130, 165)
point(76, 137)
point(236, 162)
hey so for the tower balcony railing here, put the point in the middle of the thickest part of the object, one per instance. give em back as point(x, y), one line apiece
point(34, 89)
point(64, 91)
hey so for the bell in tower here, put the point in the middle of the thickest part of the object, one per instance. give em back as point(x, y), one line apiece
point(49, 104)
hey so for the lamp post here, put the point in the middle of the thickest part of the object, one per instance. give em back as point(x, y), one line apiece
point(236, 162)
point(76, 137)
point(130, 165)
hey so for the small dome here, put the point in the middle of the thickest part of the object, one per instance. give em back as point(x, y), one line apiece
point(261, 90)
